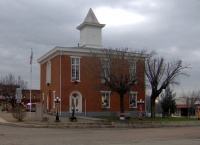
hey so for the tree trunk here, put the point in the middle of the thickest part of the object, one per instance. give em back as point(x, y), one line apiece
point(121, 103)
point(152, 107)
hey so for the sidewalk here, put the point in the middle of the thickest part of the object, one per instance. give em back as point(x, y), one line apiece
point(30, 120)
point(2, 120)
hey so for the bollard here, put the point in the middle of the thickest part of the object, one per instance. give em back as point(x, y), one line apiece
point(122, 117)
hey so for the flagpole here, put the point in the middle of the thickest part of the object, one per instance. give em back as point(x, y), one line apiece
point(31, 59)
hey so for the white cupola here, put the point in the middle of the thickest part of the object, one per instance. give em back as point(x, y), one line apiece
point(90, 31)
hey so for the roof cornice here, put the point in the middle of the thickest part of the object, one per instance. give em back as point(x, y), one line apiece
point(78, 51)
point(84, 24)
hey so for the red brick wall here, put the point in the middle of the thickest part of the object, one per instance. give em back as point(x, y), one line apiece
point(48, 89)
point(88, 86)
point(35, 96)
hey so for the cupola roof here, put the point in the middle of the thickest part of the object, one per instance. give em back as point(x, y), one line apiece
point(90, 19)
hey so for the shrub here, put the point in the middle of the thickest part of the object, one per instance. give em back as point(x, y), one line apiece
point(19, 113)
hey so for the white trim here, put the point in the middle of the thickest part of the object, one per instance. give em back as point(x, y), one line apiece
point(79, 69)
point(105, 66)
point(132, 69)
point(48, 72)
point(108, 96)
point(43, 97)
point(85, 107)
point(54, 97)
point(60, 81)
point(75, 57)
point(76, 51)
point(79, 97)
point(48, 102)
point(132, 92)
point(105, 91)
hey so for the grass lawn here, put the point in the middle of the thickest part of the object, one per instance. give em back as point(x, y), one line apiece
point(148, 119)
point(169, 119)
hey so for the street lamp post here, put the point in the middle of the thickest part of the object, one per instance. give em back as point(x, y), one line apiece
point(140, 102)
point(57, 101)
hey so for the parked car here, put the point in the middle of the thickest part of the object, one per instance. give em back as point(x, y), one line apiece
point(31, 107)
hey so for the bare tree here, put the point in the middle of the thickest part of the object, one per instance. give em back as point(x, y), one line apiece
point(161, 74)
point(8, 85)
point(116, 68)
point(189, 99)
point(12, 80)
point(8, 92)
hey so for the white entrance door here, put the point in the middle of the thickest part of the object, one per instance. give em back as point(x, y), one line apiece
point(76, 102)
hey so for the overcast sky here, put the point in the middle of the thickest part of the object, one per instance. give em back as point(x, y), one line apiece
point(171, 27)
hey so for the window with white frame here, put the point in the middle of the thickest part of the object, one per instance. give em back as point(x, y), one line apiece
point(133, 100)
point(105, 99)
point(48, 72)
point(105, 70)
point(75, 68)
point(132, 69)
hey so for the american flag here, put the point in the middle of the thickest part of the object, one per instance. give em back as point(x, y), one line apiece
point(31, 57)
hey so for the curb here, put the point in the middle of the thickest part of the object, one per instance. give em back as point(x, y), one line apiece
point(101, 125)
point(158, 124)
point(56, 125)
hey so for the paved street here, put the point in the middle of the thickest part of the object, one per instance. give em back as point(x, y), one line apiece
point(52, 136)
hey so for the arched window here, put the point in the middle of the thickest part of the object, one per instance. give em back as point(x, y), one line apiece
point(48, 72)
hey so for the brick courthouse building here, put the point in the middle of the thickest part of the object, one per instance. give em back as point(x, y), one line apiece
point(63, 75)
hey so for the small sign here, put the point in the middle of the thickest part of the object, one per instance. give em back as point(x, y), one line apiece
point(19, 101)
point(18, 96)
point(18, 91)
